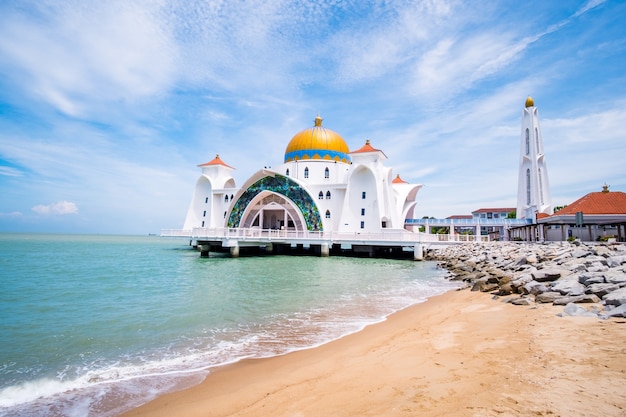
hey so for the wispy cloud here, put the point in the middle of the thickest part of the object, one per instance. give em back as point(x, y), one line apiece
point(59, 208)
point(10, 171)
point(76, 56)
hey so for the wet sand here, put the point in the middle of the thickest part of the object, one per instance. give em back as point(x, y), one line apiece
point(460, 354)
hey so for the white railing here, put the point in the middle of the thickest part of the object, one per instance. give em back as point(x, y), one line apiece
point(203, 233)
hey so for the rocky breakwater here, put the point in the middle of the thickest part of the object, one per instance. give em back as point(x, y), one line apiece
point(560, 273)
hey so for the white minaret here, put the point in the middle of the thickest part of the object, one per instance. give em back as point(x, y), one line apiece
point(533, 190)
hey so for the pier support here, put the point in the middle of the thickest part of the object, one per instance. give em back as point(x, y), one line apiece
point(234, 251)
point(324, 250)
point(204, 250)
point(418, 252)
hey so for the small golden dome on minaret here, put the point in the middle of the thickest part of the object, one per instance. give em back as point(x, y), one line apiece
point(318, 120)
point(530, 102)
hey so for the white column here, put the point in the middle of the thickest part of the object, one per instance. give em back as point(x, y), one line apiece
point(418, 252)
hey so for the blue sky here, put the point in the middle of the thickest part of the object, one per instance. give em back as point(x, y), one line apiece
point(107, 108)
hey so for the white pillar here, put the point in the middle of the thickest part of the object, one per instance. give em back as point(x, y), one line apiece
point(234, 251)
point(418, 252)
point(533, 190)
point(324, 250)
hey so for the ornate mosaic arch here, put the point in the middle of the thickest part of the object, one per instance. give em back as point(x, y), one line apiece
point(284, 186)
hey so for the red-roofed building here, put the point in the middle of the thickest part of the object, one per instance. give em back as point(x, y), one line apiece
point(597, 215)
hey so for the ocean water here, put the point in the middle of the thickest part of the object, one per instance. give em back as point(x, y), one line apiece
point(96, 325)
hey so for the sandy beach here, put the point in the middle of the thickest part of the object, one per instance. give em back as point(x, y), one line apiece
point(461, 353)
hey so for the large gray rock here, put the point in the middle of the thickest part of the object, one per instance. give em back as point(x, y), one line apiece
point(483, 285)
point(547, 275)
point(588, 278)
point(547, 297)
point(615, 277)
point(597, 267)
point(616, 298)
point(577, 311)
point(615, 261)
point(615, 312)
point(579, 299)
point(568, 287)
point(580, 253)
point(601, 289)
point(524, 301)
point(534, 288)
point(601, 250)
point(596, 260)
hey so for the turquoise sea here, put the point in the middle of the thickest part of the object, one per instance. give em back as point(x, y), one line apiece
point(96, 325)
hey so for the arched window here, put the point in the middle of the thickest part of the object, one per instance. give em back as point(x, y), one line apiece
point(326, 173)
point(231, 197)
point(528, 186)
point(321, 195)
point(327, 195)
point(306, 172)
point(328, 214)
point(527, 142)
point(287, 172)
point(206, 200)
point(226, 198)
point(537, 139)
point(224, 214)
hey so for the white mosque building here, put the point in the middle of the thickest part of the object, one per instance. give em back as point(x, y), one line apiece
point(322, 186)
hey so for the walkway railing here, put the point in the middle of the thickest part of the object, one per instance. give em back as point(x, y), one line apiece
point(469, 222)
point(201, 233)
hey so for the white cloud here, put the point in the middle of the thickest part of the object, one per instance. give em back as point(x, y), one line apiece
point(10, 172)
point(75, 56)
point(588, 6)
point(13, 214)
point(59, 208)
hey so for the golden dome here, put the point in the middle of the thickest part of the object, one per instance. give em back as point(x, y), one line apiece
point(317, 142)
point(530, 102)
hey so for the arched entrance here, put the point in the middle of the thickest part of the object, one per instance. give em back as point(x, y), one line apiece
point(269, 210)
point(286, 200)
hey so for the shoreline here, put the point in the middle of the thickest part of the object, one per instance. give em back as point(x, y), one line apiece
point(458, 353)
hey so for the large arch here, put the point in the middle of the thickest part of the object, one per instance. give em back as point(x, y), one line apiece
point(269, 210)
point(296, 199)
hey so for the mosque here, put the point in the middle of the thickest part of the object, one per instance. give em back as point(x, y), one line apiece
point(325, 195)
point(322, 186)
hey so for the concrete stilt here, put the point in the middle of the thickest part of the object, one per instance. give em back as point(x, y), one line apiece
point(204, 250)
point(324, 250)
point(234, 251)
point(418, 252)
